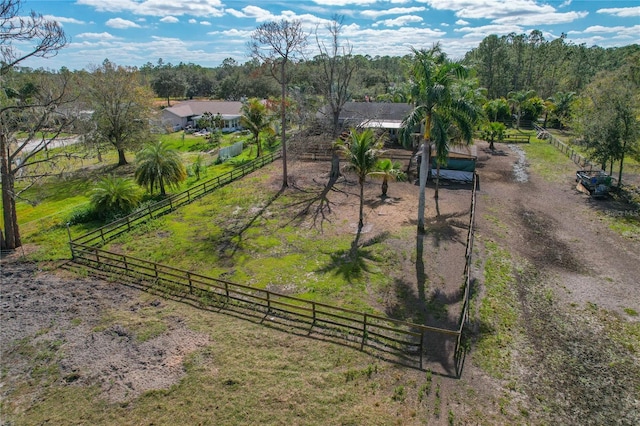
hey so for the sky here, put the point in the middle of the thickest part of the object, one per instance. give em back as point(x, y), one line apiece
point(205, 32)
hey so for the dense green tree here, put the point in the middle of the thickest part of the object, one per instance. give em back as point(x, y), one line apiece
point(608, 114)
point(158, 166)
point(122, 107)
point(168, 83)
point(562, 106)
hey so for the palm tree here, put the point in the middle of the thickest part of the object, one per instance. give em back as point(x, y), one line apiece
point(562, 106)
point(113, 196)
point(517, 100)
point(387, 169)
point(361, 149)
point(158, 166)
point(437, 110)
point(255, 118)
point(493, 131)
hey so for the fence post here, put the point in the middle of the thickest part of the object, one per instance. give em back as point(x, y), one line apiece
point(190, 283)
point(268, 301)
point(128, 224)
point(73, 255)
point(150, 214)
point(97, 257)
point(421, 347)
point(126, 266)
point(102, 234)
point(155, 269)
point(364, 332)
point(313, 306)
point(226, 290)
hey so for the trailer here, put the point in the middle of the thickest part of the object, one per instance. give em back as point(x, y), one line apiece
point(596, 183)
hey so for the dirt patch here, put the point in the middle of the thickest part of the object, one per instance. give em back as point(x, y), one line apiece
point(57, 327)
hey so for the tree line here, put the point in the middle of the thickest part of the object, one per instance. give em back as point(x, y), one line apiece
point(514, 76)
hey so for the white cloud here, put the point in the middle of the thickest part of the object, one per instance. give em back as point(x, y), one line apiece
point(399, 22)
point(542, 18)
point(121, 24)
point(63, 20)
point(622, 12)
point(193, 21)
point(158, 7)
point(375, 14)
point(98, 36)
point(462, 22)
point(483, 31)
point(170, 20)
point(444, 24)
point(524, 12)
point(207, 23)
point(344, 2)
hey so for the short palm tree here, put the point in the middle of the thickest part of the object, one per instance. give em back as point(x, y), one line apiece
point(361, 150)
point(256, 119)
point(114, 196)
point(387, 169)
point(517, 100)
point(158, 166)
point(493, 131)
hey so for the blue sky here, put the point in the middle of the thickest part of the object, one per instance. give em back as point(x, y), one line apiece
point(205, 32)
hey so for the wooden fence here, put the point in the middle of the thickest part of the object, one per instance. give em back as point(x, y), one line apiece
point(111, 230)
point(578, 159)
point(381, 334)
point(363, 329)
point(516, 139)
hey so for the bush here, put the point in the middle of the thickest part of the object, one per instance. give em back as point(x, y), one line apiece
point(83, 214)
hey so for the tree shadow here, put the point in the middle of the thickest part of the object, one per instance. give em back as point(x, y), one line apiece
point(446, 228)
point(344, 263)
point(231, 240)
point(317, 204)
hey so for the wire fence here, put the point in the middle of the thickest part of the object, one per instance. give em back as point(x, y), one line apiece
point(578, 159)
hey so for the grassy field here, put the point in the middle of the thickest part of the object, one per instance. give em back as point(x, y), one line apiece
point(248, 373)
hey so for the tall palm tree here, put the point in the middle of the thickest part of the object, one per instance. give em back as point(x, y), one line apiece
point(562, 106)
point(386, 170)
point(361, 150)
point(158, 166)
point(437, 110)
point(255, 118)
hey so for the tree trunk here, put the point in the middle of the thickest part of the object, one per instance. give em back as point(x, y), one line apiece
point(285, 182)
point(334, 174)
point(437, 180)
point(385, 187)
point(423, 185)
point(620, 172)
point(162, 190)
point(122, 161)
point(258, 145)
point(11, 239)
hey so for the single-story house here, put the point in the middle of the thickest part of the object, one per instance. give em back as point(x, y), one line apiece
point(187, 113)
point(460, 165)
point(387, 116)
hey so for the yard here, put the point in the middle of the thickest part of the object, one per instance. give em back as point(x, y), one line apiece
point(555, 310)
